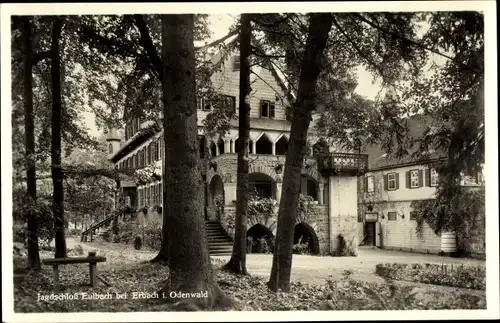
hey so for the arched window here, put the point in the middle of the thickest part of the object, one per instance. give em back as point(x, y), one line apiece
point(264, 145)
point(282, 146)
point(110, 148)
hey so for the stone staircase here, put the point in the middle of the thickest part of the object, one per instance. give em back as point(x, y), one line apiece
point(219, 243)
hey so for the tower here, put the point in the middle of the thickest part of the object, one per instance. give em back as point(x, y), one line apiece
point(113, 142)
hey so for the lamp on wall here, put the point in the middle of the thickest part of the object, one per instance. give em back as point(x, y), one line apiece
point(401, 214)
point(370, 207)
point(278, 169)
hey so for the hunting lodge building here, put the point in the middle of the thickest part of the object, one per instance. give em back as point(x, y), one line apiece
point(336, 180)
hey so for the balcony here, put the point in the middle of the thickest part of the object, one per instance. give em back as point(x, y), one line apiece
point(343, 163)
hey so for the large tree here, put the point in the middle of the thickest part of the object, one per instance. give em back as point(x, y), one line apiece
point(57, 174)
point(190, 270)
point(319, 27)
point(237, 263)
point(29, 126)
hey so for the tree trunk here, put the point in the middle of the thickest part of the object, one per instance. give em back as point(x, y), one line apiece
point(237, 263)
point(57, 175)
point(188, 259)
point(29, 124)
point(319, 27)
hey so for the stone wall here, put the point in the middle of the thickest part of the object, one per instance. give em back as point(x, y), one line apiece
point(347, 226)
point(318, 222)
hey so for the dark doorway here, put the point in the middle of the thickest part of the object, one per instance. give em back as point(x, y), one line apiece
point(259, 239)
point(304, 234)
point(370, 234)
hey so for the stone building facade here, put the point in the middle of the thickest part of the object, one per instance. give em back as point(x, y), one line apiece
point(330, 178)
point(386, 218)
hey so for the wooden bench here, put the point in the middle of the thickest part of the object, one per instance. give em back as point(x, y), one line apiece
point(92, 260)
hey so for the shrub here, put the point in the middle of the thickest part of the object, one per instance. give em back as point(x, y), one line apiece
point(77, 250)
point(301, 248)
point(458, 276)
point(153, 235)
point(106, 235)
point(75, 232)
point(19, 232)
point(137, 243)
point(249, 244)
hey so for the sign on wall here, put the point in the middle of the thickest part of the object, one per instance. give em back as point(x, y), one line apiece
point(371, 217)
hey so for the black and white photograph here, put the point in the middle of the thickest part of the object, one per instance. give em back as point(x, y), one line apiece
point(249, 161)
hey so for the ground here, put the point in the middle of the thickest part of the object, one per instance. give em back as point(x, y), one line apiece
point(317, 283)
point(309, 269)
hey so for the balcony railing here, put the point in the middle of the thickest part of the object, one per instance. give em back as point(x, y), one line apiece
point(338, 163)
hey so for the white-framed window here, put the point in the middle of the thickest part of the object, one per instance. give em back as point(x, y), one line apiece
point(267, 109)
point(391, 181)
point(414, 179)
point(203, 104)
point(236, 63)
point(434, 177)
point(370, 184)
point(229, 101)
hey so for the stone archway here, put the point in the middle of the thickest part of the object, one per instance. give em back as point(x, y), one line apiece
point(263, 184)
point(259, 239)
point(304, 234)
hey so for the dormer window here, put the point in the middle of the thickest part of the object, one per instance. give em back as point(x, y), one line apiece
point(236, 63)
point(267, 109)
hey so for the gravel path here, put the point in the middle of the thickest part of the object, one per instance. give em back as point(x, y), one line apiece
point(306, 269)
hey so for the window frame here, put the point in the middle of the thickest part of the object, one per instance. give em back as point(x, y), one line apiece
point(372, 178)
point(413, 215)
point(417, 178)
point(395, 216)
point(271, 109)
point(236, 63)
point(389, 181)
point(434, 175)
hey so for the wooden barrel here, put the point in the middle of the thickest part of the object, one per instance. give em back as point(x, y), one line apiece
point(448, 242)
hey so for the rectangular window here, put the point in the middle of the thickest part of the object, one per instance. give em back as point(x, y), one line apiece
point(161, 194)
point(434, 177)
point(391, 181)
point(414, 179)
point(159, 149)
point(203, 104)
point(392, 216)
point(413, 215)
point(370, 184)
point(236, 63)
point(148, 193)
point(267, 109)
point(228, 102)
point(148, 155)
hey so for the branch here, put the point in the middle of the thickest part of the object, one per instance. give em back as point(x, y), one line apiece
point(40, 56)
point(273, 24)
point(360, 52)
point(258, 54)
point(277, 93)
point(148, 46)
point(218, 41)
point(415, 43)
